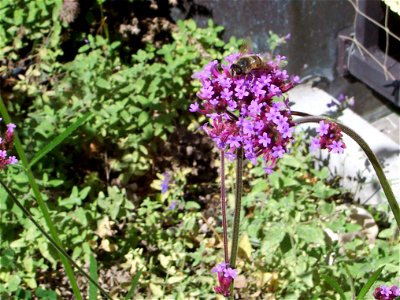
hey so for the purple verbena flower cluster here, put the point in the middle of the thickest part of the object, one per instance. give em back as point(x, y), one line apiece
point(330, 137)
point(249, 110)
point(225, 277)
point(6, 143)
point(387, 293)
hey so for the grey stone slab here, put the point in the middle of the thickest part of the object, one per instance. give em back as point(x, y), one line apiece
point(389, 125)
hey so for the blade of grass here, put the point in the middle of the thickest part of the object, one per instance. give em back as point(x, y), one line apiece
point(41, 203)
point(135, 281)
point(369, 283)
point(335, 285)
point(56, 141)
point(94, 276)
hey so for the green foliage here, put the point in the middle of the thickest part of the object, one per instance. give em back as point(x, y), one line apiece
point(34, 22)
point(88, 182)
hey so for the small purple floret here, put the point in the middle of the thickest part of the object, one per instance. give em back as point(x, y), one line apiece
point(386, 293)
point(194, 107)
point(165, 183)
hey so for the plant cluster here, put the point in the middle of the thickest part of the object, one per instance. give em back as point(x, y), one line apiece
point(125, 207)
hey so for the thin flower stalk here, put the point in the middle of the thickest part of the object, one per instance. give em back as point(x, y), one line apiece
point(223, 207)
point(238, 206)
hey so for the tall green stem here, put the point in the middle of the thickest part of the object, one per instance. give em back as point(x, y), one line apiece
point(41, 203)
point(223, 207)
point(370, 154)
point(238, 204)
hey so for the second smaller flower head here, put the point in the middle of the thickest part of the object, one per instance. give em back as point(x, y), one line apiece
point(226, 275)
point(330, 137)
point(387, 293)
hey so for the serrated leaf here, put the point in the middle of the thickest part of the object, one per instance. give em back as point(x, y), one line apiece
point(84, 48)
point(164, 260)
point(31, 282)
point(143, 118)
point(291, 161)
point(80, 215)
point(156, 290)
point(274, 179)
point(45, 294)
point(310, 234)
point(13, 283)
point(260, 185)
point(28, 264)
point(192, 205)
point(18, 16)
point(102, 83)
point(175, 279)
point(83, 193)
point(18, 243)
point(386, 233)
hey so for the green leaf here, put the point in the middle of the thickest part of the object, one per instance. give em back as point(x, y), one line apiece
point(321, 174)
point(259, 185)
point(13, 283)
point(275, 180)
point(94, 276)
point(18, 16)
point(387, 233)
point(80, 215)
point(83, 193)
point(135, 281)
point(275, 236)
point(369, 283)
point(28, 264)
point(102, 83)
point(59, 139)
point(335, 285)
point(192, 205)
point(45, 294)
point(31, 282)
point(143, 118)
point(310, 234)
point(83, 48)
point(291, 161)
